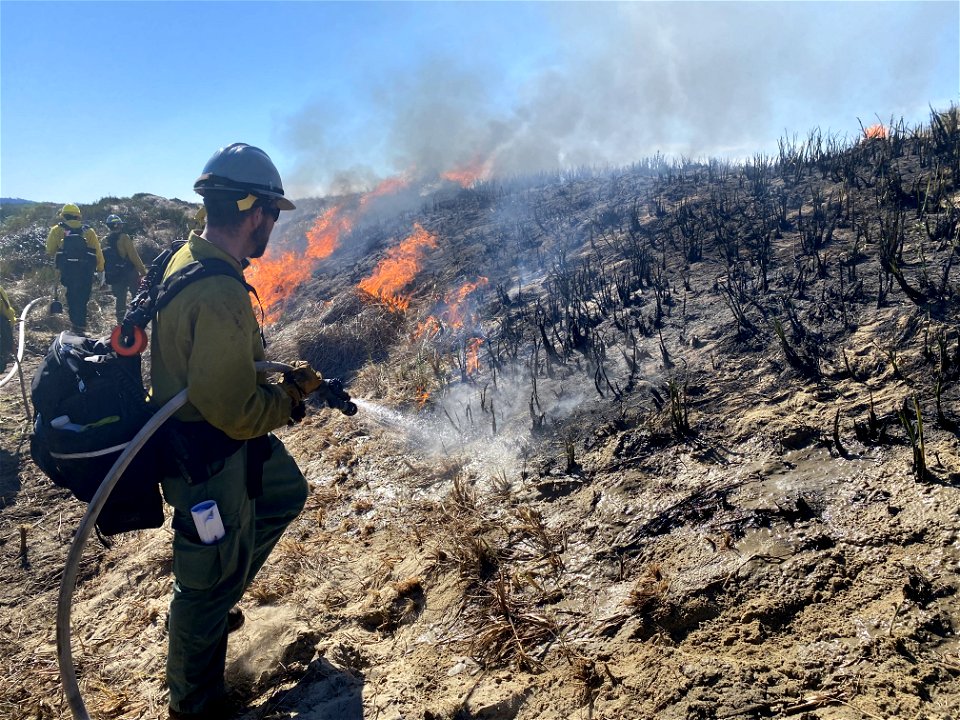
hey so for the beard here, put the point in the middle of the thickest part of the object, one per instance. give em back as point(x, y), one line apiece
point(260, 238)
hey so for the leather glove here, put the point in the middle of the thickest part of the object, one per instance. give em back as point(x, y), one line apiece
point(299, 382)
point(101, 277)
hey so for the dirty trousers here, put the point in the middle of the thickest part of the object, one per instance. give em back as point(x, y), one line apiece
point(78, 295)
point(210, 579)
point(120, 291)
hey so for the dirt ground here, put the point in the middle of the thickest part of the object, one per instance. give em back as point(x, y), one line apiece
point(731, 536)
point(764, 576)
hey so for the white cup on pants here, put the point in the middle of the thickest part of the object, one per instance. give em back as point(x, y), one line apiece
point(206, 516)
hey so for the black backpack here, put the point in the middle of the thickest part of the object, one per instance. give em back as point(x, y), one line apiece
point(117, 268)
point(75, 260)
point(90, 402)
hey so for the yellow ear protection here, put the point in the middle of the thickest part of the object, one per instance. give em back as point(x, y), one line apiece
point(246, 203)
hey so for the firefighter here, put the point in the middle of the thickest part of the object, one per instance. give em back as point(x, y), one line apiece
point(122, 265)
point(207, 340)
point(76, 251)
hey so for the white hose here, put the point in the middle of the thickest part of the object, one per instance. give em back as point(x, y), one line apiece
point(19, 356)
point(68, 674)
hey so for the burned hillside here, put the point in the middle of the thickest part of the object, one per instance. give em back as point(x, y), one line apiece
point(672, 440)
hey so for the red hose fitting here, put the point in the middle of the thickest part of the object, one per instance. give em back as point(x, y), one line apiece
point(128, 349)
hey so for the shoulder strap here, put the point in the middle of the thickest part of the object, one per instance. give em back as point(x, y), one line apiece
point(155, 293)
point(197, 270)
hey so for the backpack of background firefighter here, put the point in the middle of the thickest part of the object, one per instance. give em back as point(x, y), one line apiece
point(119, 270)
point(75, 260)
point(90, 402)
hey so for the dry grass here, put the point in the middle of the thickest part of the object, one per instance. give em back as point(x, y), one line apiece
point(510, 627)
point(544, 545)
point(341, 339)
point(649, 590)
point(466, 549)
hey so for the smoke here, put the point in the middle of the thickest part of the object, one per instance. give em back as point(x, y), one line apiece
point(487, 425)
point(625, 81)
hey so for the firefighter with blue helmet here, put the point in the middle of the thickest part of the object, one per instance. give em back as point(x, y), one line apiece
point(207, 340)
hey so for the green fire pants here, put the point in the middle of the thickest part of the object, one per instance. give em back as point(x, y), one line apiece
point(120, 291)
point(211, 579)
point(78, 295)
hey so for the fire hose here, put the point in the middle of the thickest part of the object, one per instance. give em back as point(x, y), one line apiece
point(17, 368)
point(334, 395)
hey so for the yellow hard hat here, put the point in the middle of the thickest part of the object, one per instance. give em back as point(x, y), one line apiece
point(70, 210)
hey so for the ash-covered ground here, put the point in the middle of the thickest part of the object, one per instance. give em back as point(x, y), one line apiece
point(689, 450)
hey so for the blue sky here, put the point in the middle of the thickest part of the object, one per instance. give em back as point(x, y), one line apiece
point(114, 98)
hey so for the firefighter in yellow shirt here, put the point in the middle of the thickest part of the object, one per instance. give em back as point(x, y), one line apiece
point(76, 250)
point(207, 340)
point(122, 264)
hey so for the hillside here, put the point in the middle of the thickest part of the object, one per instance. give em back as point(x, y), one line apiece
point(672, 440)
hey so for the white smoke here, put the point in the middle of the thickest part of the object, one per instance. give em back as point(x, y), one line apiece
point(631, 80)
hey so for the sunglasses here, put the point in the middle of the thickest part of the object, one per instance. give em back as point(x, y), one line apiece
point(271, 210)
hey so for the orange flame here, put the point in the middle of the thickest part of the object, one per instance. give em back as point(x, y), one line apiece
point(324, 237)
point(873, 132)
point(473, 355)
point(277, 273)
point(467, 175)
point(422, 396)
point(395, 271)
point(429, 329)
point(454, 300)
point(386, 187)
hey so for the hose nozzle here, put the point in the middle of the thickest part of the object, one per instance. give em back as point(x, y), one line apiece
point(336, 397)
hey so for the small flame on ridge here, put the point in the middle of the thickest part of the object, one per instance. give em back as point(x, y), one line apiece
point(473, 355)
point(468, 174)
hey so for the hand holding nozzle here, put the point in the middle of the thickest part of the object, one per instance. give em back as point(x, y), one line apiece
point(301, 380)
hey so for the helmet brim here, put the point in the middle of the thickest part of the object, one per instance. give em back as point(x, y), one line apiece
point(282, 202)
point(205, 184)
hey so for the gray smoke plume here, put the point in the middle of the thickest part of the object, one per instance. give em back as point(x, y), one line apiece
point(630, 80)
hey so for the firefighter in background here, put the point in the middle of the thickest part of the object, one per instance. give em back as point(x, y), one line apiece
point(76, 250)
point(122, 264)
point(8, 321)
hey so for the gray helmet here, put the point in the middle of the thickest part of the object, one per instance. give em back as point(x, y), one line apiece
point(244, 168)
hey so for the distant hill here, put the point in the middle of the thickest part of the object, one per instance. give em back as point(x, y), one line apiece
point(16, 201)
